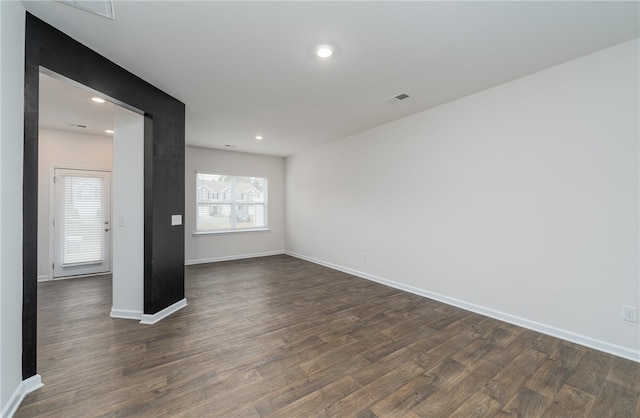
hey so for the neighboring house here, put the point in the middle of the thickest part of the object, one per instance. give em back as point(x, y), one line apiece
point(224, 198)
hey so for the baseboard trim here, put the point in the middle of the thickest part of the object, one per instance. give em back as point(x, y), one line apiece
point(150, 319)
point(232, 257)
point(125, 314)
point(24, 388)
point(44, 278)
point(583, 340)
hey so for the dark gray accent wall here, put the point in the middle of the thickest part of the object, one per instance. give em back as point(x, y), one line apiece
point(163, 168)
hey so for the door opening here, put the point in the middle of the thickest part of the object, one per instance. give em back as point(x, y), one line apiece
point(96, 161)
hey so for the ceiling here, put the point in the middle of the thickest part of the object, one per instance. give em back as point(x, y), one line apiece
point(248, 68)
point(64, 107)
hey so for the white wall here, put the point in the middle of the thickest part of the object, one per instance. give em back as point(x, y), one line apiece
point(520, 202)
point(229, 246)
point(12, 18)
point(127, 224)
point(63, 150)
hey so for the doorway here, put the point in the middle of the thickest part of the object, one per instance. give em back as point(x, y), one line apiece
point(76, 157)
point(91, 174)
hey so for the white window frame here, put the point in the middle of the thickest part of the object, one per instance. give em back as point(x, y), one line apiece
point(227, 198)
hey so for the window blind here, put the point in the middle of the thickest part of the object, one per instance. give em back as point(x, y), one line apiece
point(82, 224)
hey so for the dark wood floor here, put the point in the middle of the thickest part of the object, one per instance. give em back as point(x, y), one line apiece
point(281, 337)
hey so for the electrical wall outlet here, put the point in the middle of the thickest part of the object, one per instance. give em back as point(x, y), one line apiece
point(630, 313)
point(364, 257)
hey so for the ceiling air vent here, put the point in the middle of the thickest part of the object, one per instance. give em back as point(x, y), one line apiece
point(397, 98)
point(99, 7)
point(75, 125)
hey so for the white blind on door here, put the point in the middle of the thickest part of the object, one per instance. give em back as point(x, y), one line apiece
point(82, 220)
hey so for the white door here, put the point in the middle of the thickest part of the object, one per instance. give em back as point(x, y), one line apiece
point(82, 222)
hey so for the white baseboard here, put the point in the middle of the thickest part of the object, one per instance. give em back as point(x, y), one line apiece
point(24, 388)
point(44, 278)
point(599, 345)
point(125, 314)
point(232, 257)
point(150, 319)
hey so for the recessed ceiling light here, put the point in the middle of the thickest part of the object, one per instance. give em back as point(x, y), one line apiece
point(109, 131)
point(324, 51)
point(97, 99)
point(259, 138)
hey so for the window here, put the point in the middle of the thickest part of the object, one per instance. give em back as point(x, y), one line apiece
point(230, 203)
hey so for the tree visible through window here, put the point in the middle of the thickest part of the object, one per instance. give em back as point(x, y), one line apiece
point(230, 202)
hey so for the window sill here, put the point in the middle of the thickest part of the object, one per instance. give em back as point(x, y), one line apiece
point(230, 231)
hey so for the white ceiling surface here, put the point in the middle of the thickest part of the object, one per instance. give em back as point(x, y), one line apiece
point(63, 107)
point(247, 68)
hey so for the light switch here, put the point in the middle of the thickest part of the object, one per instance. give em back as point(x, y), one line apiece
point(176, 220)
point(121, 220)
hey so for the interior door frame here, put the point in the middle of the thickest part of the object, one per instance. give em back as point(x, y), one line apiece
point(52, 209)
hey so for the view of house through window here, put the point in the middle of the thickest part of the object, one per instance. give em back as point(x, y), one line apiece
point(230, 202)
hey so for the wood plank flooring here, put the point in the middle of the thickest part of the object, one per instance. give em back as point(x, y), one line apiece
point(281, 337)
